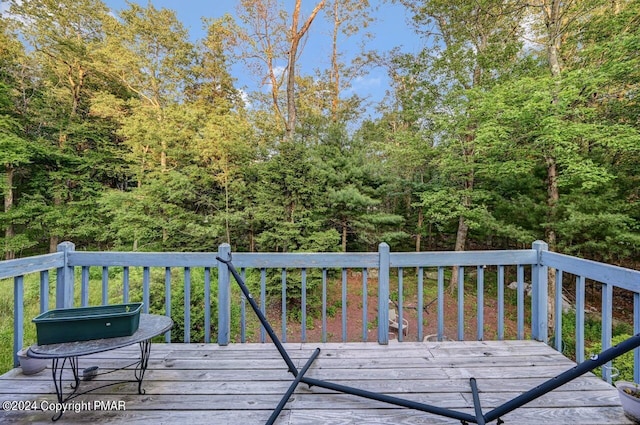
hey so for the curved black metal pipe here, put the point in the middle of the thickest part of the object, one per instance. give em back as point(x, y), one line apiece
point(571, 374)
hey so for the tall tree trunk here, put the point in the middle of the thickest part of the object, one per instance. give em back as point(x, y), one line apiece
point(468, 151)
point(9, 232)
point(53, 243)
point(335, 67)
point(552, 15)
point(290, 125)
point(419, 232)
point(553, 196)
point(163, 145)
point(54, 240)
point(226, 206)
point(463, 226)
point(461, 241)
point(163, 157)
point(344, 236)
point(295, 37)
point(616, 6)
point(76, 88)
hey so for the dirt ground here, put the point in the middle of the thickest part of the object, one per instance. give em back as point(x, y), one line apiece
point(410, 313)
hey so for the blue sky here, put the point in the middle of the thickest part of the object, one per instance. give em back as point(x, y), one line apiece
point(389, 30)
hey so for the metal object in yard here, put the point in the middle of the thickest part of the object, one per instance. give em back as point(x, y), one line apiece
point(465, 418)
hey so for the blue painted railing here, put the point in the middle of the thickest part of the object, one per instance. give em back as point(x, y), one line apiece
point(71, 267)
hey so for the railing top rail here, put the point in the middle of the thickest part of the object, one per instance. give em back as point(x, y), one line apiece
point(142, 259)
point(23, 266)
point(303, 260)
point(241, 260)
point(601, 272)
point(306, 260)
point(464, 258)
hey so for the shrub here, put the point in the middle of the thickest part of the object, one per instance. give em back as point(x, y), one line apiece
point(623, 363)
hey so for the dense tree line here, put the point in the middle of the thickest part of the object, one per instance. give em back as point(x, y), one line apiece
point(518, 121)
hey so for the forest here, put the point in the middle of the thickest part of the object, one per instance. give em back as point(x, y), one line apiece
point(516, 121)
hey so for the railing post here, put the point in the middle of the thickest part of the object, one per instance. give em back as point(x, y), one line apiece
point(224, 296)
point(383, 293)
point(18, 317)
point(540, 296)
point(64, 278)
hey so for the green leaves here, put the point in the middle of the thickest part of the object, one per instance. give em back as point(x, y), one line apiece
point(119, 132)
point(13, 148)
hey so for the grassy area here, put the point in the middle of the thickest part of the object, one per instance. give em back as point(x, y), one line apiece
point(31, 310)
point(115, 296)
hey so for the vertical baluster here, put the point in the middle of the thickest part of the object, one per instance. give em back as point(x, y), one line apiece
point(344, 305)
point(44, 291)
point(500, 303)
point(125, 285)
point(84, 286)
point(480, 303)
point(284, 305)
point(167, 299)
point(520, 302)
point(243, 310)
point(146, 283)
point(18, 317)
point(324, 305)
point(636, 331)
point(440, 303)
point(365, 298)
point(558, 318)
point(207, 305)
point(460, 303)
point(580, 288)
point(303, 331)
point(607, 313)
point(105, 285)
point(400, 299)
point(420, 307)
point(187, 305)
point(263, 302)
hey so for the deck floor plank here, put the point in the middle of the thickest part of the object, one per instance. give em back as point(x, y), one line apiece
point(242, 383)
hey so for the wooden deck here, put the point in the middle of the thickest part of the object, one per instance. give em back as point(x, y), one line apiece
point(242, 383)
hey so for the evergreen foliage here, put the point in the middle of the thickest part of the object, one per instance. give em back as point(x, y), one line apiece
point(118, 132)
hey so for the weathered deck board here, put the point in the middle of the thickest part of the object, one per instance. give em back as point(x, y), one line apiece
point(242, 383)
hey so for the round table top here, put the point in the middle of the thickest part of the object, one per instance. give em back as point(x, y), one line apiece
point(150, 325)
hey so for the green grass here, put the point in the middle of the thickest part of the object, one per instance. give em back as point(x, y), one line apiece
point(115, 296)
point(31, 309)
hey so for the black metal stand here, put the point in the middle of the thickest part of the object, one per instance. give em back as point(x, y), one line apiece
point(465, 418)
point(58, 366)
point(56, 371)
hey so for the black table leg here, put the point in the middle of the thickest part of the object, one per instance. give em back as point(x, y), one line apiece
point(57, 370)
point(145, 353)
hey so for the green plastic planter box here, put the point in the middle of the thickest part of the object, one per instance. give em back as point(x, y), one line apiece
point(85, 323)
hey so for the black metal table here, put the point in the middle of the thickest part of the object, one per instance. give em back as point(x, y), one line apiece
point(150, 326)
